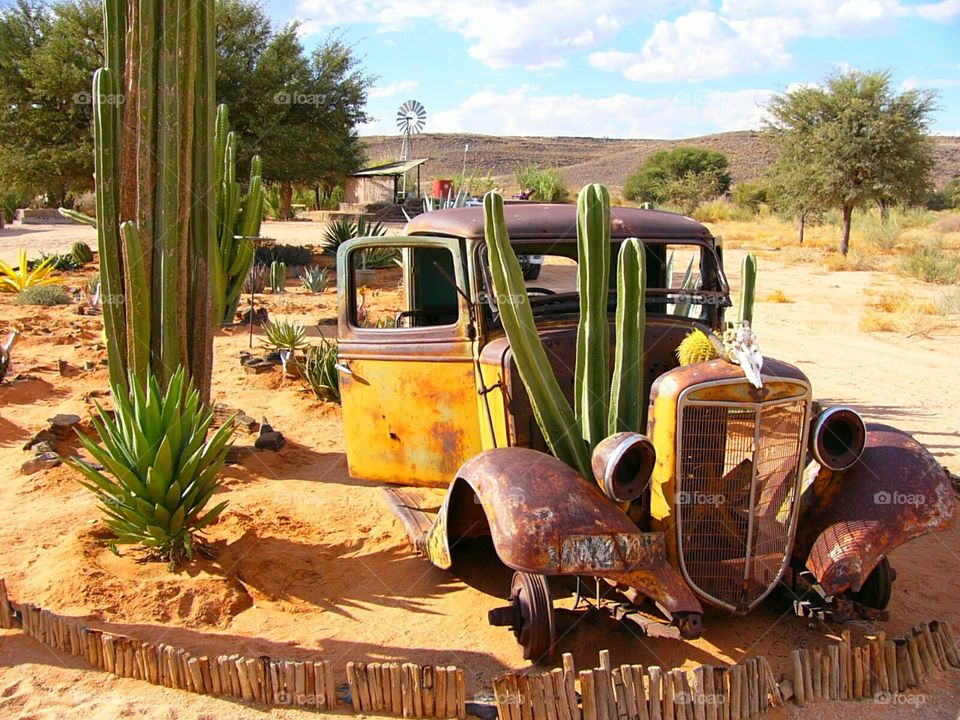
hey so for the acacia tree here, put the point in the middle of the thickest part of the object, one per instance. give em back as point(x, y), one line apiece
point(47, 55)
point(851, 142)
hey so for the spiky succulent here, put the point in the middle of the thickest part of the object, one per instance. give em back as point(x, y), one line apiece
point(159, 468)
point(285, 335)
point(23, 276)
point(256, 280)
point(321, 373)
point(81, 252)
point(315, 278)
point(696, 347)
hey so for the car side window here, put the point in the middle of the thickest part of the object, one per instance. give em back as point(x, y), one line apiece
point(397, 287)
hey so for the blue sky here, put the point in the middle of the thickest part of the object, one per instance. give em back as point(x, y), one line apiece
point(627, 68)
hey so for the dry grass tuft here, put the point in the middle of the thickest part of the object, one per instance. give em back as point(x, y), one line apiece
point(902, 313)
point(777, 296)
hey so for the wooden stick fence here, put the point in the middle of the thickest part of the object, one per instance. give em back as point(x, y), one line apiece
point(409, 691)
point(878, 668)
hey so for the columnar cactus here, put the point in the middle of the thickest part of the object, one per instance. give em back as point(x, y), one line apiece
point(278, 276)
point(154, 115)
point(748, 287)
point(602, 405)
point(238, 220)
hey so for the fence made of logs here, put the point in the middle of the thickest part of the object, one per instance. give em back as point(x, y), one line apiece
point(879, 668)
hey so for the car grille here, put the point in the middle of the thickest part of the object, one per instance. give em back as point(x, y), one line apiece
point(738, 478)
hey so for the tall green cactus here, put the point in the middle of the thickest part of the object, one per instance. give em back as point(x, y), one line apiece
point(154, 113)
point(748, 287)
point(550, 407)
point(238, 217)
point(602, 405)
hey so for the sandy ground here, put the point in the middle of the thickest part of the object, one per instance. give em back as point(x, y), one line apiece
point(311, 563)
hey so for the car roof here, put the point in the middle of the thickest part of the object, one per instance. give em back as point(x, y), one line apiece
point(531, 221)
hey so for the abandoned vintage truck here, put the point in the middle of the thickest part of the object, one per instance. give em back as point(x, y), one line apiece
point(734, 490)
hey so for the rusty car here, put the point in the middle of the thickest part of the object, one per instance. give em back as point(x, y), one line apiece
point(736, 491)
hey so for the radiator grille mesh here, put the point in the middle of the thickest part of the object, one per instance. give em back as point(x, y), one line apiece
point(737, 475)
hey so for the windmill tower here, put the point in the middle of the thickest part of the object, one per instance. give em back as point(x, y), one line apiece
point(411, 117)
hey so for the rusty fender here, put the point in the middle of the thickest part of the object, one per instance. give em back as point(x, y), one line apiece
point(546, 518)
point(851, 519)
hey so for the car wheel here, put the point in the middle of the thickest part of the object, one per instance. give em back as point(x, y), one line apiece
point(878, 588)
point(529, 615)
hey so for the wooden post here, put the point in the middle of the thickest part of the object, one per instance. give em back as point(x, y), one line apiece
point(502, 698)
point(734, 674)
point(440, 692)
point(537, 697)
point(682, 695)
point(857, 689)
point(7, 621)
point(807, 675)
point(699, 692)
point(550, 700)
point(588, 695)
point(710, 702)
point(817, 677)
point(745, 703)
point(799, 687)
point(246, 690)
point(623, 693)
point(668, 702)
point(396, 689)
point(416, 690)
point(570, 685)
point(560, 692)
point(825, 676)
point(753, 687)
point(953, 652)
point(655, 692)
point(452, 691)
point(606, 705)
point(931, 647)
point(915, 662)
point(639, 692)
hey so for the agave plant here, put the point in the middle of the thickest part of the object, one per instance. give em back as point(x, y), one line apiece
point(256, 280)
point(22, 277)
point(315, 278)
point(285, 335)
point(345, 228)
point(321, 373)
point(160, 470)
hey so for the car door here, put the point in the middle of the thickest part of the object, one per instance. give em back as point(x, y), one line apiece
point(406, 361)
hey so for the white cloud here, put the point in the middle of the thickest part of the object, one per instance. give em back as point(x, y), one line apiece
point(399, 87)
point(698, 46)
point(502, 33)
point(745, 36)
point(524, 111)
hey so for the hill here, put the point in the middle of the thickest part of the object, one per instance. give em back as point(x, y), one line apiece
point(606, 160)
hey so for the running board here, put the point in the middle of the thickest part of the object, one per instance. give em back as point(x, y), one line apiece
point(415, 521)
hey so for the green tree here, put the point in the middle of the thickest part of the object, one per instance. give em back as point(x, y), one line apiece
point(47, 56)
point(851, 142)
point(296, 109)
point(751, 194)
point(672, 175)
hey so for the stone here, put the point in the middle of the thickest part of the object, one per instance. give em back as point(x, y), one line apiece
point(269, 439)
point(44, 461)
point(62, 425)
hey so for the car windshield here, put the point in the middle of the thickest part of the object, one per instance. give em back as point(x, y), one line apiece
point(683, 279)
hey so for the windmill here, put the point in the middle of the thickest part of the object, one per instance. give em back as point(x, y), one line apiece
point(411, 117)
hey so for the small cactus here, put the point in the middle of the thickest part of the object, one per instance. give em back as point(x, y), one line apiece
point(696, 347)
point(278, 276)
point(315, 279)
point(81, 252)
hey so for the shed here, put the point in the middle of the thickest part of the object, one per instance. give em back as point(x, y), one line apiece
point(380, 183)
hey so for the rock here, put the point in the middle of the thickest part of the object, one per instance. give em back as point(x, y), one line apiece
point(40, 462)
point(260, 316)
point(62, 425)
point(269, 439)
point(41, 437)
point(255, 366)
point(89, 365)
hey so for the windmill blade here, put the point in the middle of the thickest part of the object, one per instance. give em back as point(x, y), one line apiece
point(411, 117)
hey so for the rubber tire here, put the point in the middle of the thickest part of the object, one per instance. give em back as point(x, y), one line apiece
point(878, 588)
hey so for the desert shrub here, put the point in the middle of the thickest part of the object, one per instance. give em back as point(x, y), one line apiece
point(855, 261)
point(289, 254)
point(750, 194)
point(12, 200)
point(722, 211)
point(159, 469)
point(61, 262)
point(932, 263)
point(883, 234)
point(43, 295)
point(689, 169)
point(321, 373)
point(777, 296)
point(547, 185)
point(949, 223)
